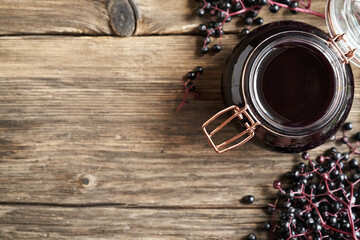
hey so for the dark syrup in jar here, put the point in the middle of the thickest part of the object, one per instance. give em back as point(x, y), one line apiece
point(296, 85)
point(287, 129)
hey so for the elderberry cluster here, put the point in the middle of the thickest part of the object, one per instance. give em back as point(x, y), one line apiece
point(223, 11)
point(189, 82)
point(321, 199)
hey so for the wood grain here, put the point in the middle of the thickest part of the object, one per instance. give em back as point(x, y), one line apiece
point(66, 17)
point(90, 144)
point(105, 108)
point(41, 222)
point(91, 17)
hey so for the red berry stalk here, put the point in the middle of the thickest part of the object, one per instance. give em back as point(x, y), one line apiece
point(189, 84)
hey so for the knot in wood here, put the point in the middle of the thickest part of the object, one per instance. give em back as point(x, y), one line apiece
point(122, 15)
point(86, 181)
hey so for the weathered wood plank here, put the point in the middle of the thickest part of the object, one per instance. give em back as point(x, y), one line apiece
point(37, 222)
point(84, 17)
point(103, 108)
point(54, 17)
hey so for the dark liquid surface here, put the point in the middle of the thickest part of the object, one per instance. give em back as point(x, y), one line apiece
point(297, 85)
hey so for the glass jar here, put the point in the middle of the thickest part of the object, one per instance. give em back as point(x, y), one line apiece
point(290, 84)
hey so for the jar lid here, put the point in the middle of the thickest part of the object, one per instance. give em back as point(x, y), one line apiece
point(343, 22)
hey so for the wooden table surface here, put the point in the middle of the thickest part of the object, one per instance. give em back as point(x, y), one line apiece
point(90, 144)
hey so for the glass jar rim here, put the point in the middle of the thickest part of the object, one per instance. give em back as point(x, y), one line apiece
point(250, 91)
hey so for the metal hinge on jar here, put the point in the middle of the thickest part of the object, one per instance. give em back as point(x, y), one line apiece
point(345, 56)
point(250, 127)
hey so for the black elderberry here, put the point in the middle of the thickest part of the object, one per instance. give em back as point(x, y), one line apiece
point(204, 50)
point(249, 199)
point(316, 218)
point(332, 185)
point(200, 12)
point(320, 159)
point(355, 177)
point(262, 2)
point(219, 32)
point(245, 31)
point(291, 210)
point(287, 204)
point(307, 215)
point(294, 5)
point(251, 236)
point(217, 48)
point(310, 176)
point(191, 75)
point(258, 21)
point(346, 225)
point(248, 20)
point(211, 31)
point(207, 6)
point(301, 166)
point(212, 24)
point(345, 139)
point(237, 6)
point(252, 14)
point(228, 19)
point(311, 186)
point(332, 220)
point(335, 206)
point(217, 24)
point(342, 177)
point(221, 15)
point(206, 40)
point(336, 156)
point(286, 2)
point(333, 150)
point(283, 217)
point(271, 209)
point(298, 213)
point(357, 136)
point(249, 3)
point(309, 222)
point(305, 155)
point(301, 229)
point(202, 28)
point(353, 164)
point(303, 181)
point(295, 174)
point(225, 6)
point(320, 169)
point(345, 157)
point(199, 70)
point(274, 8)
point(340, 165)
point(348, 126)
point(331, 165)
point(267, 226)
point(281, 194)
point(317, 227)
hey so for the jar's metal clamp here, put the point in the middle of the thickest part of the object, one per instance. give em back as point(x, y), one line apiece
point(345, 56)
point(250, 127)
